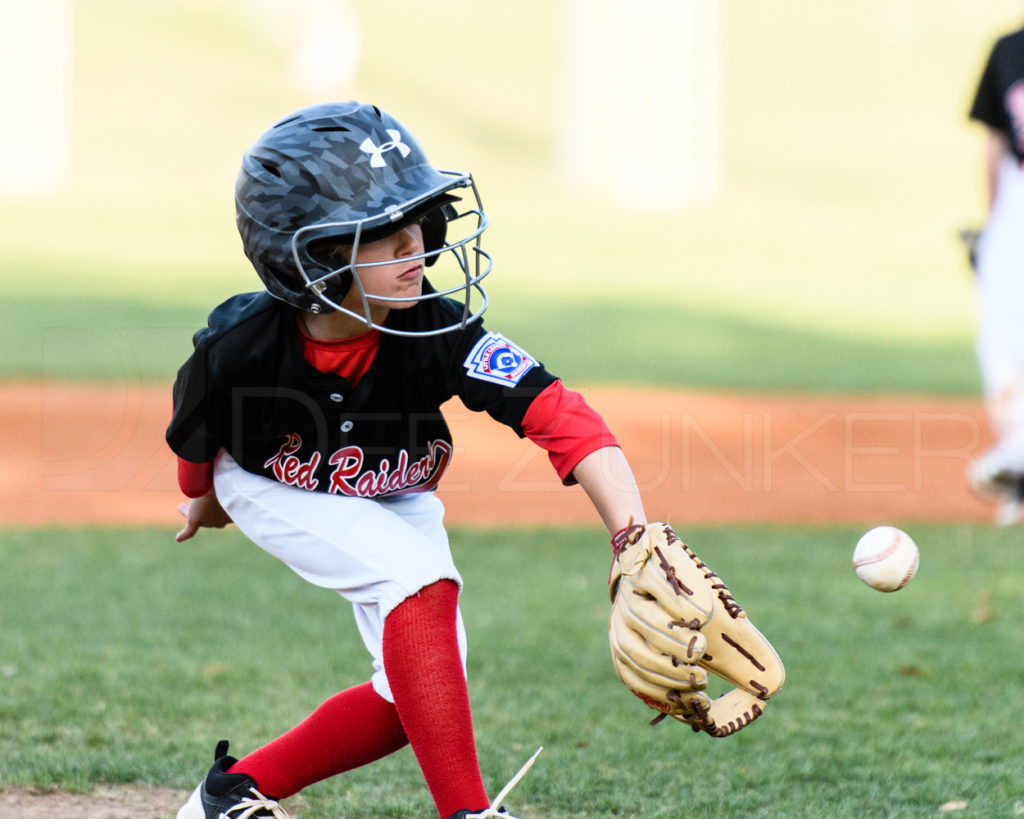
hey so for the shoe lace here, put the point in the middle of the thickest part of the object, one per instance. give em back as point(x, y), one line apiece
point(493, 811)
point(256, 806)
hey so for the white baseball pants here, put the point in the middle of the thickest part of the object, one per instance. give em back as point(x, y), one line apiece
point(374, 553)
point(1000, 338)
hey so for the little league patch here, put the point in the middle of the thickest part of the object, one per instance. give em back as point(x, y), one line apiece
point(498, 360)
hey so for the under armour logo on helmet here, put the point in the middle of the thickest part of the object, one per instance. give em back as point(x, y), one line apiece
point(377, 152)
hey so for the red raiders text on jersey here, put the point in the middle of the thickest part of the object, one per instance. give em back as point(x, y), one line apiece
point(248, 389)
point(348, 476)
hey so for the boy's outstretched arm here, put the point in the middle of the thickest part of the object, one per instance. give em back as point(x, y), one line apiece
point(608, 480)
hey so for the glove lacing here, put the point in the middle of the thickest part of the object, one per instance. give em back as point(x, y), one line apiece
point(626, 536)
point(493, 811)
point(733, 608)
point(630, 534)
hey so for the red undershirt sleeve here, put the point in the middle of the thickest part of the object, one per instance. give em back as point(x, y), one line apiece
point(195, 480)
point(561, 422)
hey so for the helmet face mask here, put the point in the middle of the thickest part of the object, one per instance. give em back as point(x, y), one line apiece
point(345, 174)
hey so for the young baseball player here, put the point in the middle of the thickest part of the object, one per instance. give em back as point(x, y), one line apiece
point(999, 105)
point(309, 415)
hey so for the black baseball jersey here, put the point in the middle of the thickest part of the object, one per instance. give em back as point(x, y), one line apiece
point(999, 100)
point(248, 388)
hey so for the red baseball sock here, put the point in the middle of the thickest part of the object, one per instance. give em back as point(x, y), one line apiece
point(424, 668)
point(351, 729)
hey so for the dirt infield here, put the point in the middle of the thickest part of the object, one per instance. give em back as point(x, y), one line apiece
point(76, 455)
point(121, 802)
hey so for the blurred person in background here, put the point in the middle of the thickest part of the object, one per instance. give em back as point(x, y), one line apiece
point(998, 257)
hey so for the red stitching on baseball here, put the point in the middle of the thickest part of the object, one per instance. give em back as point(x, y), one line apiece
point(886, 552)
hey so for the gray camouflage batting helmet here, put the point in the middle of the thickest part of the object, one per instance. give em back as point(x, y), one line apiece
point(349, 172)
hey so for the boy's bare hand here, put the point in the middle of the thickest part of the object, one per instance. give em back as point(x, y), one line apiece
point(199, 513)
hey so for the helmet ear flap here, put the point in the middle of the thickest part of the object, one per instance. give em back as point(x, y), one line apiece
point(326, 255)
point(434, 224)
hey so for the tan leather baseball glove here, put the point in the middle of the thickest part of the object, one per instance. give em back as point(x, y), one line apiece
point(672, 621)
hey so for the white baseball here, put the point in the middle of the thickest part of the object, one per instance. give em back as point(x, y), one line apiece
point(885, 558)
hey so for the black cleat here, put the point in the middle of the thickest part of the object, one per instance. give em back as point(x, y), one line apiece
point(223, 795)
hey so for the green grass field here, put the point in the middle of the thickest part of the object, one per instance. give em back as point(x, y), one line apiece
point(129, 342)
point(126, 656)
point(828, 264)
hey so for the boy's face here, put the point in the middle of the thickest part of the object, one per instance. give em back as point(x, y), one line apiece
point(402, 278)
